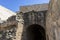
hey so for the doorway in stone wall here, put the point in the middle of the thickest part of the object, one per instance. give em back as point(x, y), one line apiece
point(35, 32)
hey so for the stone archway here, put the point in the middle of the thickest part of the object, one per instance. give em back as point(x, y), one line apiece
point(35, 32)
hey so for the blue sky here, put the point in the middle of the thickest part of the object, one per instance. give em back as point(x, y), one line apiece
point(14, 5)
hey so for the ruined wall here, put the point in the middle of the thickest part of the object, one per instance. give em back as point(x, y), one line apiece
point(53, 20)
point(8, 34)
point(20, 25)
point(34, 17)
point(29, 15)
point(31, 18)
point(36, 7)
point(8, 29)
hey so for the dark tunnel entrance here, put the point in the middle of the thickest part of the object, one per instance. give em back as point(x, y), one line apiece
point(35, 32)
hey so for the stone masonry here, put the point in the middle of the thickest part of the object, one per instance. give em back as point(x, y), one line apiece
point(31, 16)
point(53, 20)
point(8, 29)
point(50, 22)
point(35, 22)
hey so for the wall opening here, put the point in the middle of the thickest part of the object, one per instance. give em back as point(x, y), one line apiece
point(35, 32)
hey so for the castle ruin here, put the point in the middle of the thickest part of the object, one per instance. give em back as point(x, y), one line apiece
point(35, 22)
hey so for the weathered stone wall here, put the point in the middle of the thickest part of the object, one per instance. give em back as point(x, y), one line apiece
point(27, 19)
point(36, 7)
point(33, 17)
point(19, 26)
point(30, 15)
point(8, 29)
point(8, 34)
point(53, 20)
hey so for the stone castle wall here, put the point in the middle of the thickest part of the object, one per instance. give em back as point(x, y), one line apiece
point(46, 16)
point(8, 29)
point(53, 20)
point(35, 15)
point(38, 7)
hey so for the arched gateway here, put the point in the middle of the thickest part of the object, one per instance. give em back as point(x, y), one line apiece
point(35, 32)
point(32, 23)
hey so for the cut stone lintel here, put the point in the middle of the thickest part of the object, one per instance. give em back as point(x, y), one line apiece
point(38, 7)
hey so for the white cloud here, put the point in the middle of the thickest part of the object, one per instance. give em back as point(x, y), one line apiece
point(5, 13)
